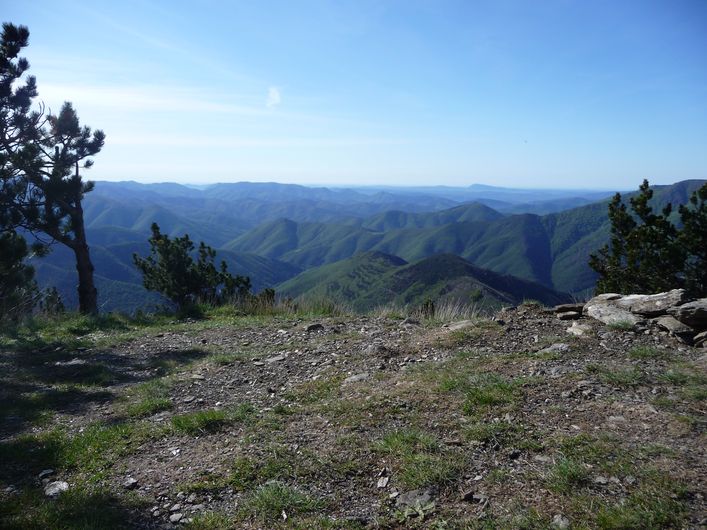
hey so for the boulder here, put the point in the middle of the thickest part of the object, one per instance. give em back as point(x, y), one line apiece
point(700, 340)
point(53, 489)
point(694, 314)
point(675, 327)
point(653, 305)
point(603, 309)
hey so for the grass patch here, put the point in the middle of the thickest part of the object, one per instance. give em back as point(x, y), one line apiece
point(270, 500)
point(315, 391)
point(94, 449)
point(148, 398)
point(205, 421)
point(645, 353)
point(420, 459)
point(77, 508)
point(567, 475)
point(621, 325)
point(615, 376)
point(502, 434)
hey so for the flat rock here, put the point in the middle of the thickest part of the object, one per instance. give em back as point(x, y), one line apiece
point(55, 488)
point(45, 473)
point(694, 314)
point(568, 308)
point(608, 313)
point(275, 359)
point(556, 348)
point(463, 324)
point(175, 517)
point(418, 497)
point(130, 483)
point(569, 315)
point(653, 305)
point(579, 330)
point(358, 377)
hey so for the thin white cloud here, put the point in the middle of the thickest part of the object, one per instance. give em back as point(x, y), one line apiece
point(274, 97)
point(162, 140)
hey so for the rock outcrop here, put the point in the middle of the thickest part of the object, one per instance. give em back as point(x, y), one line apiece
point(673, 311)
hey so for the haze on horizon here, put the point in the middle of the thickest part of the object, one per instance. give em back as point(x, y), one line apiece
point(561, 93)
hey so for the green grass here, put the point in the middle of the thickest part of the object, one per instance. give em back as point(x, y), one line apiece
point(79, 508)
point(205, 421)
point(615, 376)
point(148, 398)
point(420, 459)
point(270, 500)
point(690, 380)
point(649, 353)
point(621, 325)
point(502, 434)
point(567, 475)
point(92, 450)
point(311, 392)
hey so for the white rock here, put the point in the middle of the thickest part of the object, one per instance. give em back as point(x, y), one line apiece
point(55, 488)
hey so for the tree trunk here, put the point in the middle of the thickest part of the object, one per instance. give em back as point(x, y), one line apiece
point(88, 295)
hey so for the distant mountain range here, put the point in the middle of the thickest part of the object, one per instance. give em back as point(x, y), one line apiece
point(273, 232)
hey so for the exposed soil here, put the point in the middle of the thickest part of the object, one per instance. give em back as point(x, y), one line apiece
point(625, 406)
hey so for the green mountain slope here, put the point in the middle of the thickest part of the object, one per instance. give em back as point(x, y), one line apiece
point(372, 279)
point(552, 249)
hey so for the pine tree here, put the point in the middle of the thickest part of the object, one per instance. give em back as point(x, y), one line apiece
point(171, 270)
point(647, 253)
point(41, 188)
point(18, 290)
point(693, 238)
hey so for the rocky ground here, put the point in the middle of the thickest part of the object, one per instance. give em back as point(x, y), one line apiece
point(355, 422)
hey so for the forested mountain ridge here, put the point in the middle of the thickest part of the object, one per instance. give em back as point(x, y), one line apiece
point(272, 232)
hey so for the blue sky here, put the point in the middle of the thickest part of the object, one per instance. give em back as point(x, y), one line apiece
point(551, 93)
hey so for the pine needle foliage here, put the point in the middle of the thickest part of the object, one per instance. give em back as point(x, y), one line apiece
point(647, 252)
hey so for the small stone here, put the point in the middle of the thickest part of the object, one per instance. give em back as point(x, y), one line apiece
point(383, 482)
point(175, 517)
point(198, 377)
point(560, 521)
point(313, 328)
point(188, 399)
point(197, 507)
point(601, 480)
point(130, 483)
point(55, 488)
point(356, 378)
point(275, 359)
point(175, 507)
point(558, 347)
point(45, 473)
point(579, 330)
